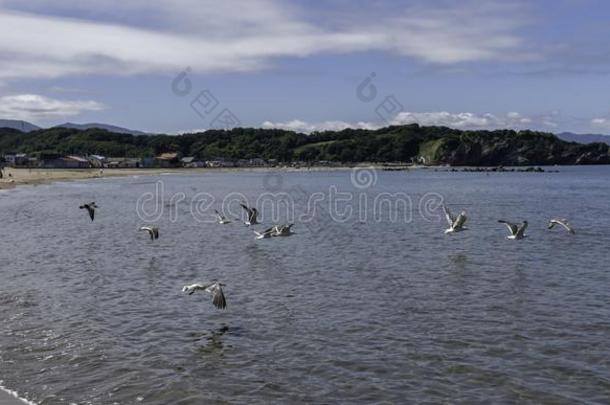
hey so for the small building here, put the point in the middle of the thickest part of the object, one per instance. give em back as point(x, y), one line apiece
point(148, 162)
point(170, 159)
point(16, 159)
point(220, 162)
point(77, 162)
point(33, 162)
point(257, 162)
point(123, 163)
point(191, 161)
point(66, 162)
point(97, 161)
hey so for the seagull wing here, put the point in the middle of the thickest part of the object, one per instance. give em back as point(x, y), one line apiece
point(218, 216)
point(150, 231)
point(248, 210)
point(156, 232)
point(253, 215)
point(511, 227)
point(521, 229)
point(218, 296)
point(450, 218)
point(91, 211)
point(460, 221)
point(563, 223)
point(194, 287)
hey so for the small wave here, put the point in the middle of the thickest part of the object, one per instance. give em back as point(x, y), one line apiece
point(15, 394)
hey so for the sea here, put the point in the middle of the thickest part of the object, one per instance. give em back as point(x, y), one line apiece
point(369, 301)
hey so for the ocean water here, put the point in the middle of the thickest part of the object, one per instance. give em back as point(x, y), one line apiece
point(369, 302)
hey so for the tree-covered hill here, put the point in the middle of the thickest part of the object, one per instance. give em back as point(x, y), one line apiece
point(437, 145)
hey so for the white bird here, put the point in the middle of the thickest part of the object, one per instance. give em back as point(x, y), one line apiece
point(455, 224)
point(282, 230)
point(267, 233)
point(252, 215)
point(214, 288)
point(221, 219)
point(153, 231)
point(516, 231)
point(90, 207)
point(562, 222)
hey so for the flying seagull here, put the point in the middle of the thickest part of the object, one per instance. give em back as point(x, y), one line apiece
point(455, 224)
point(90, 207)
point(153, 231)
point(282, 230)
point(562, 222)
point(221, 219)
point(516, 231)
point(267, 233)
point(252, 215)
point(214, 288)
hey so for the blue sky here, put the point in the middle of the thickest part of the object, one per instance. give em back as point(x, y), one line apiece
point(542, 65)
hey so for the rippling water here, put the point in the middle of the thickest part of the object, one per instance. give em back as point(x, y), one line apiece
point(365, 308)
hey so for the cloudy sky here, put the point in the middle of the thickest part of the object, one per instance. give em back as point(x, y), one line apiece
point(176, 65)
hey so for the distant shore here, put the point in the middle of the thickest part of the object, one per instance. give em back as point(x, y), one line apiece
point(15, 177)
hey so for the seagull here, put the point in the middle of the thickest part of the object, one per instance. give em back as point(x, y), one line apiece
point(221, 219)
point(455, 224)
point(214, 288)
point(153, 231)
point(252, 215)
point(282, 230)
point(562, 222)
point(267, 233)
point(90, 207)
point(516, 231)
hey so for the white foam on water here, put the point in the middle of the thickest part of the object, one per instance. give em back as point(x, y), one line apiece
point(15, 394)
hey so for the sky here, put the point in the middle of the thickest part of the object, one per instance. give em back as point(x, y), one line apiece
point(171, 66)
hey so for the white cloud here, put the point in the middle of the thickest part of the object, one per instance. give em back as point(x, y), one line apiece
point(460, 120)
point(302, 126)
point(34, 107)
point(119, 37)
point(601, 122)
point(463, 120)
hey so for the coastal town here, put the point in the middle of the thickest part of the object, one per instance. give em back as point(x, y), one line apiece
point(164, 160)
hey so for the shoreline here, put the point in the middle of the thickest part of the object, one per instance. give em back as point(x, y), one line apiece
point(10, 397)
point(14, 177)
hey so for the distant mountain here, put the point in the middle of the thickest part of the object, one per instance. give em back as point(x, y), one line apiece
point(404, 143)
point(584, 138)
point(22, 126)
point(109, 128)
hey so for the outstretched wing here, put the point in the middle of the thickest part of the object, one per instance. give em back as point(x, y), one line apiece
point(218, 296)
point(248, 210)
point(460, 220)
point(449, 216)
point(563, 223)
point(253, 215)
point(511, 227)
point(521, 229)
point(91, 211)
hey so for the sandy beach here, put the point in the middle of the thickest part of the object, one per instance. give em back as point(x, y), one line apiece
point(15, 177)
